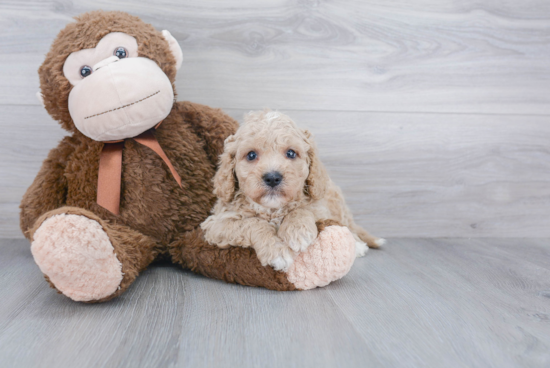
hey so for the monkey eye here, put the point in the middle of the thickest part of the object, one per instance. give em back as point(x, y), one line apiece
point(85, 71)
point(251, 156)
point(290, 154)
point(120, 52)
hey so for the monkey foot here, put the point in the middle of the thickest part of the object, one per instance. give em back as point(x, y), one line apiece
point(327, 259)
point(75, 253)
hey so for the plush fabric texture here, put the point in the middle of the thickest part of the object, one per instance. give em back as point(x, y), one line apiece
point(327, 259)
point(233, 264)
point(77, 256)
point(105, 110)
point(158, 218)
point(85, 33)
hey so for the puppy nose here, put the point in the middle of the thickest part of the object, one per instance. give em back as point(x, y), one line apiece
point(273, 178)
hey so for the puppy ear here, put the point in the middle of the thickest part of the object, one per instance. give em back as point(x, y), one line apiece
point(224, 181)
point(318, 179)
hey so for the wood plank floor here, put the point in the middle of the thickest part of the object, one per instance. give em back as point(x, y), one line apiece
point(416, 303)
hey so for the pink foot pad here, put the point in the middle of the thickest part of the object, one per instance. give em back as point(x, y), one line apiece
point(77, 256)
point(327, 259)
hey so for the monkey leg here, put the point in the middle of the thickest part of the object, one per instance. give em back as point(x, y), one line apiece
point(88, 259)
point(234, 264)
point(327, 259)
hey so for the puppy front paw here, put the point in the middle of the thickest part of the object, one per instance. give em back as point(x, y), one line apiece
point(298, 238)
point(278, 255)
point(281, 263)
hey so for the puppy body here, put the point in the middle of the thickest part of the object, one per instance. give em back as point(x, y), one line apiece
point(272, 189)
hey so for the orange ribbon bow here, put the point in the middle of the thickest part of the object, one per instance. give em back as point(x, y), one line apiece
point(110, 169)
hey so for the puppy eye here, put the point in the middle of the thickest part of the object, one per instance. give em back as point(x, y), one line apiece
point(85, 71)
point(290, 154)
point(120, 52)
point(251, 156)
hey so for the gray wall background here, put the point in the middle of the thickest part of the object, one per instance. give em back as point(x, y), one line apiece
point(433, 116)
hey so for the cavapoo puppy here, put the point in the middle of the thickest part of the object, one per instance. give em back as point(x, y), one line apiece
point(272, 188)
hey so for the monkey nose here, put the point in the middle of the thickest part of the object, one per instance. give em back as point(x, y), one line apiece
point(105, 62)
point(273, 178)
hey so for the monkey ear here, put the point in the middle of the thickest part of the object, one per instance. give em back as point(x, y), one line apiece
point(174, 47)
point(40, 98)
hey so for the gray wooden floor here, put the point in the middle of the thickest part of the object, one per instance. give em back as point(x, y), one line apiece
point(417, 303)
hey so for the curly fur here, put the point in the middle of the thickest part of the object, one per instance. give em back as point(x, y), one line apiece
point(277, 222)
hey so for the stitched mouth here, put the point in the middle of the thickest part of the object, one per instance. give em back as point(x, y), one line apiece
point(124, 106)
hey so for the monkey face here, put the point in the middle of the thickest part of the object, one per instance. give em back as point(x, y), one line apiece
point(116, 93)
point(109, 75)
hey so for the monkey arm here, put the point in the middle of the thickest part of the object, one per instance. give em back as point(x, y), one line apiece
point(49, 189)
point(234, 264)
point(212, 125)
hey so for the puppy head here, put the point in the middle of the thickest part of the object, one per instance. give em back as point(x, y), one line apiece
point(270, 161)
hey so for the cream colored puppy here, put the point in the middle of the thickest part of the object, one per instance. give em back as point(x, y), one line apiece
point(272, 188)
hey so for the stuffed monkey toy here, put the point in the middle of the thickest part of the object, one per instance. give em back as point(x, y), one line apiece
point(132, 181)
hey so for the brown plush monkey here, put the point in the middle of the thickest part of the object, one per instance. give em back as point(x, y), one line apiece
point(121, 190)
